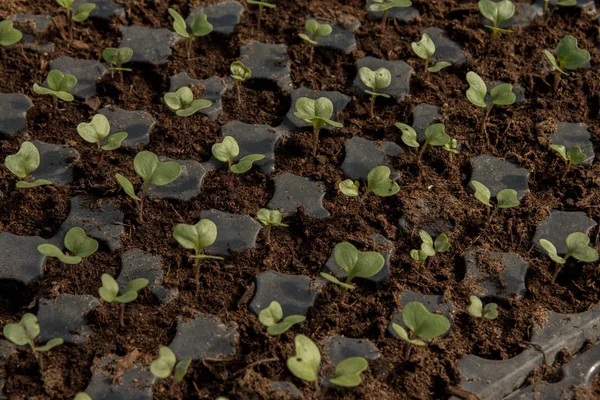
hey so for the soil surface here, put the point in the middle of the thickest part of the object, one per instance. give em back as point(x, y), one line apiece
point(518, 133)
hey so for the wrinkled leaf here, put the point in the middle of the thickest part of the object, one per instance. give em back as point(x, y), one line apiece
point(349, 187)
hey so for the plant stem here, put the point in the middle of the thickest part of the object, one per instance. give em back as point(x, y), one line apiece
point(122, 315)
point(55, 104)
point(384, 19)
point(429, 261)
point(490, 215)
point(140, 204)
point(260, 10)
point(70, 24)
point(121, 77)
point(485, 117)
point(315, 140)
point(407, 351)
point(421, 152)
point(556, 81)
point(197, 273)
point(189, 46)
point(425, 71)
point(546, 8)
point(372, 107)
point(364, 196)
point(557, 268)
point(311, 54)
point(268, 235)
point(568, 167)
point(239, 92)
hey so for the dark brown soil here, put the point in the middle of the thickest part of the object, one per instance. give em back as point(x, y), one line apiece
point(518, 133)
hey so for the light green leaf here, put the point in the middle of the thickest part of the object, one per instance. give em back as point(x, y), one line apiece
point(503, 95)
point(566, 3)
point(117, 56)
point(435, 135)
point(497, 12)
point(571, 57)
point(239, 71)
point(317, 29)
point(306, 38)
point(24, 162)
point(82, 396)
point(283, 326)
point(576, 156)
point(261, 3)
point(52, 343)
point(409, 135)
point(347, 372)
point(401, 332)
point(490, 311)
point(64, 96)
point(438, 66)
point(61, 82)
point(551, 251)
point(379, 79)
point(36, 183)
point(227, 150)
point(482, 193)
point(153, 171)
point(79, 244)
point(200, 25)
point(271, 315)
point(441, 244)
point(96, 130)
point(577, 243)
point(196, 237)
point(346, 256)
point(270, 217)
point(379, 182)
point(245, 163)
point(307, 360)
point(127, 297)
point(315, 111)
point(52, 251)
point(65, 3)
point(477, 89)
point(349, 187)
point(24, 332)
point(554, 62)
point(561, 150)
point(422, 323)
point(336, 281)
point(83, 12)
point(179, 24)
point(37, 89)
point(127, 186)
point(181, 369)
point(8, 34)
point(136, 285)
point(476, 307)
point(109, 289)
point(384, 5)
point(114, 141)
point(507, 198)
point(424, 48)
point(194, 107)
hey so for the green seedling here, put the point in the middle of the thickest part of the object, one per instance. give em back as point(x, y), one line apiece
point(425, 48)
point(497, 13)
point(422, 324)
point(80, 246)
point(59, 87)
point(378, 183)
point(261, 5)
point(570, 57)
point(429, 247)
point(153, 172)
point(318, 113)
point(118, 57)
point(452, 148)
point(23, 163)
point(435, 135)
point(8, 34)
point(502, 95)
point(25, 332)
point(356, 264)
point(198, 28)
point(97, 130)
point(197, 237)
point(166, 365)
point(314, 30)
point(573, 156)
point(383, 6)
point(476, 309)
point(240, 73)
point(506, 198)
point(228, 150)
point(306, 363)
point(82, 396)
point(577, 247)
point(375, 80)
point(109, 291)
point(559, 3)
point(272, 318)
point(269, 219)
point(79, 15)
point(182, 102)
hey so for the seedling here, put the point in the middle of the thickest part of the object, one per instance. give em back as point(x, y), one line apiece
point(79, 15)
point(269, 219)
point(229, 149)
point(476, 309)
point(80, 246)
point(497, 13)
point(577, 247)
point(422, 324)
point(559, 3)
point(153, 172)
point(385, 5)
point(375, 80)
point(82, 396)
point(502, 95)
point(97, 130)
point(197, 237)
point(118, 57)
point(317, 112)
point(59, 87)
point(240, 73)
point(261, 5)
point(8, 34)
point(23, 163)
point(429, 247)
point(183, 103)
point(357, 264)
point(378, 183)
point(506, 198)
point(570, 57)
point(25, 332)
point(109, 291)
point(166, 365)
point(272, 318)
point(573, 156)
point(314, 30)
point(199, 27)
point(452, 148)
point(425, 48)
point(435, 135)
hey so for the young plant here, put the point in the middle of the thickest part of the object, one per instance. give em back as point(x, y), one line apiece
point(429, 247)
point(182, 102)
point(378, 183)
point(261, 5)
point(97, 130)
point(497, 13)
point(423, 326)
point(198, 28)
point(425, 48)
point(8, 34)
point(385, 5)
point(361, 264)
point(452, 148)
point(118, 57)
point(80, 246)
point(269, 219)
point(59, 87)
point(506, 198)
point(228, 149)
point(166, 365)
point(435, 135)
point(476, 309)
point(79, 15)
point(82, 396)
point(559, 3)
point(502, 95)
point(197, 237)
point(577, 247)
point(375, 80)
point(25, 332)
point(573, 156)
point(153, 172)
point(272, 318)
point(314, 30)
point(109, 291)
point(570, 57)
point(240, 73)
point(317, 112)
point(23, 163)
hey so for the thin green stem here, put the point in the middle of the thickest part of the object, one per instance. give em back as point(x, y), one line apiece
point(122, 315)
point(421, 152)
point(316, 129)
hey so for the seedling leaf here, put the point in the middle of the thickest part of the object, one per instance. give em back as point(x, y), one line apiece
point(424, 48)
point(336, 281)
point(349, 187)
point(571, 57)
point(551, 251)
point(179, 24)
point(196, 237)
point(25, 161)
point(96, 130)
point(52, 343)
point(271, 315)
point(227, 150)
point(347, 372)
point(577, 243)
point(476, 307)
point(270, 217)
point(438, 66)
point(114, 141)
point(409, 135)
point(239, 71)
point(482, 193)
point(379, 182)
point(490, 311)
point(307, 360)
point(384, 5)
point(507, 198)
point(245, 163)
point(8, 34)
point(477, 89)
point(435, 135)
point(200, 25)
point(283, 326)
point(497, 12)
point(153, 171)
point(127, 186)
point(400, 331)
point(83, 12)
point(503, 94)
point(181, 369)
point(422, 323)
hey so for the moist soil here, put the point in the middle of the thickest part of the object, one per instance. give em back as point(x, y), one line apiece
point(518, 133)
